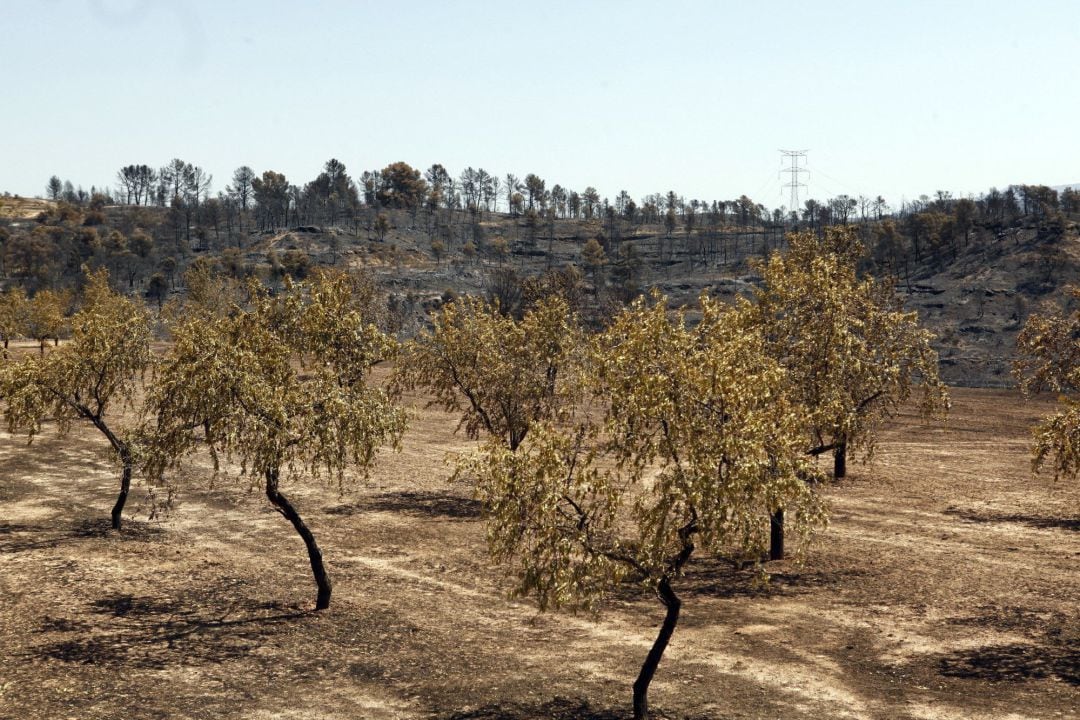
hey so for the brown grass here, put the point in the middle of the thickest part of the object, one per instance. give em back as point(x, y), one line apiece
point(946, 587)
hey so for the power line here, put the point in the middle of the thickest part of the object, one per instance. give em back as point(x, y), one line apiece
point(841, 183)
point(793, 184)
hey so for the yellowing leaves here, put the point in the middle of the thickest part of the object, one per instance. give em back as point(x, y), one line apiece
point(853, 355)
point(1048, 350)
point(689, 443)
point(236, 377)
point(502, 374)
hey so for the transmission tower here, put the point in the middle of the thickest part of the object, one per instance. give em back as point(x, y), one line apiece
point(793, 170)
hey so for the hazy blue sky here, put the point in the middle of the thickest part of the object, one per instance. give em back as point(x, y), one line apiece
point(897, 98)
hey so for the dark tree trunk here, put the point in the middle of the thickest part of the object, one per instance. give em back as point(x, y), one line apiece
point(652, 660)
point(125, 486)
point(840, 460)
point(282, 504)
point(776, 535)
point(126, 460)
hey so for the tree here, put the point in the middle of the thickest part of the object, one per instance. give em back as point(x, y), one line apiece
point(590, 199)
point(505, 292)
point(238, 378)
point(593, 257)
point(171, 178)
point(157, 288)
point(500, 373)
point(382, 226)
point(32, 258)
point(401, 187)
point(693, 442)
point(55, 188)
point(1049, 360)
point(242, 189)
point(470, 189)
point(87, 378)
point(853, 354)
point(45, 316)
point(136, 183)
point(438, 178)
point(69, 195)
point(438, 249)
point(333, 191)
point(534, 186)
point(513, 187)
point(196, 184)
point(517, 203)
point(669, 223)
point(271, 194)
point(13, 307)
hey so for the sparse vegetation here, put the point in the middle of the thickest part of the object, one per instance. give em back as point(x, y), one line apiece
point(617, 445)
point(233, 377)
point(92, 379)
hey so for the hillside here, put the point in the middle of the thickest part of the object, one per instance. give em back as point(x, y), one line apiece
point(17, 208)
point(973, 290)
point(975, 303)
point(978, 304)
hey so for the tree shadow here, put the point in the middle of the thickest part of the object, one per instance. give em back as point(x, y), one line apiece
point(154, 633)
point(416, 503)
point(1041, 522)
point(16, 537)
point(7, 528)
point(1031, 621)
point(559, 708)
point(1014, 663)
point(723, 578)
point(727, 579)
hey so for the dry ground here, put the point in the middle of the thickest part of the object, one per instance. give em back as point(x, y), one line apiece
point(23, 208)
point(946, 587)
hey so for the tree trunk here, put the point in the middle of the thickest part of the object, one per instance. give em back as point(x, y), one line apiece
point(776, 535)
point(652, 660)
point(282, 504)
point(840, 460)
point(125, 486)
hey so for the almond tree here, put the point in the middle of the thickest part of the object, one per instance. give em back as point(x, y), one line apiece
point(13, 307)
point(501, 374)
point(1049, 360)
point(45, 316)
point(693, 442)
point(279, 385)
point(88, 379)
point(853, 354)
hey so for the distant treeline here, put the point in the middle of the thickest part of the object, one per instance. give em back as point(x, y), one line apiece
point(147, 229)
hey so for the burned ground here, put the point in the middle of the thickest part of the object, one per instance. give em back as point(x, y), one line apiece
point(945, 587)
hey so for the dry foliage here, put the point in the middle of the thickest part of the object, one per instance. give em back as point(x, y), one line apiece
point(501, 374)
point(696, 445)
point(87, 378)
point(852, 353)
point(1049, 359)
point(278, 384)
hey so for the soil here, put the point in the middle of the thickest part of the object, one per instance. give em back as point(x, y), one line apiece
point(946, 587)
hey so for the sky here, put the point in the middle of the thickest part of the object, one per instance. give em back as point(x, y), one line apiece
point(896, 99)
